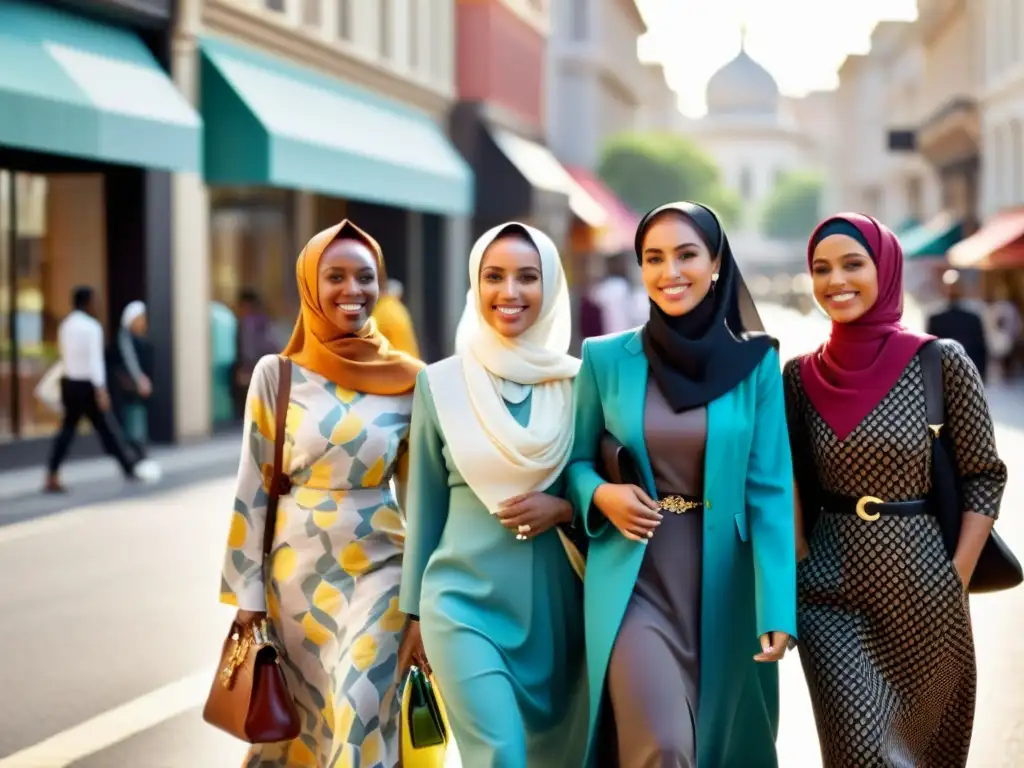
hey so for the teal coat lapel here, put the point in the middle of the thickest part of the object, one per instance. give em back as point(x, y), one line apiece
point(633, 372)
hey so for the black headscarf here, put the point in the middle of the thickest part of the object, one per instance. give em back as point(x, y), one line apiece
point(700, 356)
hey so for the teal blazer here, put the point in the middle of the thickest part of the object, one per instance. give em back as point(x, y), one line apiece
point(749, 557)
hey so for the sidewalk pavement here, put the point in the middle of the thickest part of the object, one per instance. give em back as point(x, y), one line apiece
point(95, 480)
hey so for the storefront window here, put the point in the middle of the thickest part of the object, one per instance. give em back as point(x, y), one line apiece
point(6, 371)
point(51, 239)
point(251, 250)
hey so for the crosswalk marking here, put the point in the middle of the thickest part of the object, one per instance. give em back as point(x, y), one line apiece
point(115, 725)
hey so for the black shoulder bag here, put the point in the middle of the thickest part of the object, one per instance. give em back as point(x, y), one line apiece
point(997, 568)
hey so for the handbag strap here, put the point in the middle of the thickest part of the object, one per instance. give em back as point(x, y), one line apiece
point(279, 482)
point(934, 397)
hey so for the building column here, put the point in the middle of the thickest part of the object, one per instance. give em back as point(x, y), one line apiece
point(455, 253)
point(415, 298)
point(190, 273)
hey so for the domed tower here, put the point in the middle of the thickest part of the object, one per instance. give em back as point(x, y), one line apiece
point(742, 88)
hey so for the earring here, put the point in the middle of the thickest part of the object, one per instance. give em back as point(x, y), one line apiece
point(714, 277)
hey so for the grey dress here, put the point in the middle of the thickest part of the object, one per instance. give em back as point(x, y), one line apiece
point(653, 674)
point(885, 629)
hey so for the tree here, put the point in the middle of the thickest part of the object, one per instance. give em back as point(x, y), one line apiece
point(793, 208)
point(648, 170)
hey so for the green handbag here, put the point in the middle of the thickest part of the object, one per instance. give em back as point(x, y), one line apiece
point(423, 720)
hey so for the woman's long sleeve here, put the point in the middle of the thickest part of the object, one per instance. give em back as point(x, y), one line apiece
point(982, 472)
point(582, 475)
point(769, 495)
point(242, 581)
point(126, 347)
point(427, 494)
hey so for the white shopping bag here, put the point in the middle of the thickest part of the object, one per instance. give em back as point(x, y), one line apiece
point(48, 389)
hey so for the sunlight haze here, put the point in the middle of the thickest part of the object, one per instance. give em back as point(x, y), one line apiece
point(801, 42)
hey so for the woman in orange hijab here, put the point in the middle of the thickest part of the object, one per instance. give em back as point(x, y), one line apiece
point(336, 560)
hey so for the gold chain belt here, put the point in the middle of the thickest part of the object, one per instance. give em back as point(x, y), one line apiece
point(679, 504)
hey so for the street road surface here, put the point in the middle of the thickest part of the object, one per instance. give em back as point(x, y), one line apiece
point(110, 628)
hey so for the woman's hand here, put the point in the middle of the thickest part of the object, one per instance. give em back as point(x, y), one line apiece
point(145, 386)
point(773, 646)
point(802, 550)
point(629, 509)
point(964, 570)
point(531, 514)
point(410, 650)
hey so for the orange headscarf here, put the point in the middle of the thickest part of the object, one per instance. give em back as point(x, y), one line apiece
point(361, 362)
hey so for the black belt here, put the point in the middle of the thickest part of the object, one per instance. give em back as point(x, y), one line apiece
point(870, 508)
point(680, 504)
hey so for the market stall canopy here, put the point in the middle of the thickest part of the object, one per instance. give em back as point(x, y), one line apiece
point(934, 238)
point(619, 229)
point(997, 245)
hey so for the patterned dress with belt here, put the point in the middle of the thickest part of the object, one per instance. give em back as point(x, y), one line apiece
point(335, 568)
point(883, 620)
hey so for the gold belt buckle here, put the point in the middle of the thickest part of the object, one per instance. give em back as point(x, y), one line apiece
point(862, 512)
point(678, 504)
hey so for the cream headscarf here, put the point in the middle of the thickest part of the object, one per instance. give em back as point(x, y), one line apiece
point(498, 457)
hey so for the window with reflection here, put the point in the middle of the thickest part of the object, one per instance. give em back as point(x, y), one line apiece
point(52, 239)
point(251, 251)
point(6, 367)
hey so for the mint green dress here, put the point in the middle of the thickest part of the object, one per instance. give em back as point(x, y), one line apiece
point(501, 619)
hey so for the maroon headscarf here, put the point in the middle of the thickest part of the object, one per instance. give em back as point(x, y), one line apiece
point(860, 363)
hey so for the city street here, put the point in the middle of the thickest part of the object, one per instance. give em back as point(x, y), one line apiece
point(111, 627)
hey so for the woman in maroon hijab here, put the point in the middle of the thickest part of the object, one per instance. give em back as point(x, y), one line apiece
point(885, 634)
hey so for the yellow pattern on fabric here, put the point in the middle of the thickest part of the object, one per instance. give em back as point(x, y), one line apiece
point(335, 567)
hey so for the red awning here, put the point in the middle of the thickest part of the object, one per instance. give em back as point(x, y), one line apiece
point(994, 246)
point(620, 228)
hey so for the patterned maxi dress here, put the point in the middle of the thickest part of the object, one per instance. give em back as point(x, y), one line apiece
point(884, 624)
point(336, 564)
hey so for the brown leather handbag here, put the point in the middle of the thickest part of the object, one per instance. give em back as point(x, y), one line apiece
point(249, 698)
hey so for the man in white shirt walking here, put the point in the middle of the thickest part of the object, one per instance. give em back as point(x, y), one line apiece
point(84, 388)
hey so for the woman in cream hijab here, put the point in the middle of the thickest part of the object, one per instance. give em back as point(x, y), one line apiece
point(487, 567)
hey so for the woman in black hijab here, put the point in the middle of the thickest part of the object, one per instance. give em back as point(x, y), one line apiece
point(691, 576)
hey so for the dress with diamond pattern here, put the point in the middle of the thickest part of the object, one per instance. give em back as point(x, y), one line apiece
point(336, 564)
point(884, 624)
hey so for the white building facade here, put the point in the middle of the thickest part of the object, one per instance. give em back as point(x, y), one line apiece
point(1001, 100)
point(596, 86)
point(881, 97)
point(755, 141)
point(399, 56)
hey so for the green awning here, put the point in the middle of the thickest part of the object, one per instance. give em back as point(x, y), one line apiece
point(271, 122)
point(906, 226)
point(75, 87)
point(933, 238)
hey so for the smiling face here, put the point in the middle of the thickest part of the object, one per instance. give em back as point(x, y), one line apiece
point(511, 291)
point(845, 278)
point(347, 284)
point(139, 325)
point(676, 265)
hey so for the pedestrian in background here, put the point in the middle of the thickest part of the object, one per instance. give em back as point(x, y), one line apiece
point(336, 561)
point(885, 629)
point(254, 340)
point(961, 324)
point(84, 393)
point(130, 361)
point(487, 569)
point(394, 320)
point(687, 605)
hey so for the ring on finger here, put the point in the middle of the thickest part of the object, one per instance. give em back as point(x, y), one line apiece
point(524, 528)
